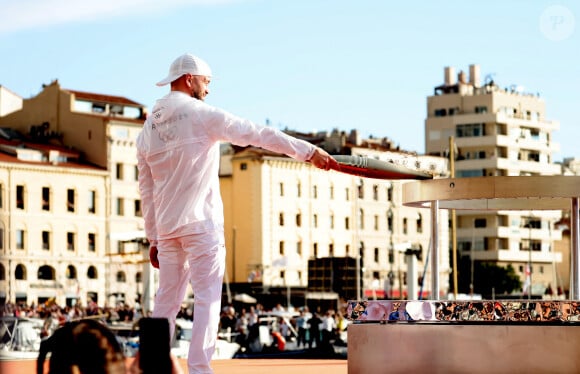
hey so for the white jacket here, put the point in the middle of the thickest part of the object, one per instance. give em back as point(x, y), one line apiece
point(178, 159)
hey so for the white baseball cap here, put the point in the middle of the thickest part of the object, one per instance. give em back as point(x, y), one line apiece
point(186, 64)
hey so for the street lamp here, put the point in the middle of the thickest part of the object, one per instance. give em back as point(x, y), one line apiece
point(529, 272)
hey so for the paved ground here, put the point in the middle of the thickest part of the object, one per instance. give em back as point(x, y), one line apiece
point(238, 366)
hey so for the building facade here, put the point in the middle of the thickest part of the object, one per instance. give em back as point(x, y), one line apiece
point(279, 213)
point(291, 213)
point(498, 132)
point(101, 130)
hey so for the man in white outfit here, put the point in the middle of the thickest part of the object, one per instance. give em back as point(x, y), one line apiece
point(178, 160)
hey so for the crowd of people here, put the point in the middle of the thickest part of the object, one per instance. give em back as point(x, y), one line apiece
point(55, 315)
point(307, 329)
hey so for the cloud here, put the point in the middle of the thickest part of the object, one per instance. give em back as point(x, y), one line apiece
point(31, 14)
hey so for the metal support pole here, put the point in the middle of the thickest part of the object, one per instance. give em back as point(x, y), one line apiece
point(435, 250)
point(574, 258)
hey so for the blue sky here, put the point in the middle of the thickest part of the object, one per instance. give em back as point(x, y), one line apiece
point(309, 65)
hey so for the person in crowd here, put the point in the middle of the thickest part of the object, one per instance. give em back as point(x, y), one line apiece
point(314, 331)
point(178, 155)
point(87, 347)
point(328, 328)
point(302, 326)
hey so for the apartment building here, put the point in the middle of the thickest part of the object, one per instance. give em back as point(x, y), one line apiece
point(53, 224)
point(101, 130)
point(291, 212)
point(498, 132)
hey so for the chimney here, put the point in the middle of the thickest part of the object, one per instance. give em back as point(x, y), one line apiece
point(449, 75)
point(474, 75)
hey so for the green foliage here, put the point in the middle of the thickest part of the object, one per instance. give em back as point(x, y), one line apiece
point(488, 278)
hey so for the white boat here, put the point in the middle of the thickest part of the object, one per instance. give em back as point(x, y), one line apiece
point(224, 349)
point(19, 337)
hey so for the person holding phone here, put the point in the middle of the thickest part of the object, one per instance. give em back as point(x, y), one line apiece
point(88, 346)
point(178, 153)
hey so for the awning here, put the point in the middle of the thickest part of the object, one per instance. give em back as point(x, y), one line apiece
point(322, 295)
point(395, 294)
point(128, 236)
point(375, 293)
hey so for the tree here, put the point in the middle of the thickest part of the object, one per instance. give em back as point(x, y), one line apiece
point(488, 278)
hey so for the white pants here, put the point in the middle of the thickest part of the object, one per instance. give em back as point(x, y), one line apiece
point(199, 259)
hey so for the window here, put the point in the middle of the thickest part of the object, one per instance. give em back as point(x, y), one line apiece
point(532, 222)
point(315, 220)
point(281, 219)
point(315, 192)
point(1, 196)
point(71, 272)
point(92, 202)
point(390, 193)
point(20, 272)
point(315, 250)
point(46, 272)
point(20, 239)
point(332, 221)
point(470, 173)
point(298, 190)
point(91, 242)
point(281, 247)
point(376, 255)
point(281, 189)
point(331, 250)
point(119, 171)
point(46, 198)
point(70, 204)
point(136, 173)
point(92, 272)
point(331, 192)
point(440, 112)
point(1, 238)
point(121, 277)
point(46, 240)
point(347, 249)
point(70, 241)
point(361, 219)
point(375, 192)
point(346, 223)
point(138, 212)
point(361, 190)
point(419, 223)
point(299, 220)
point(453, 111)
point(347, 193)
point(19, 197)
point(120, 206)
point(376, 225)
point(243, 166)
point(405, 226)
point(470, 130)
point(480, 223)
point(299, 247)
point(481, 109)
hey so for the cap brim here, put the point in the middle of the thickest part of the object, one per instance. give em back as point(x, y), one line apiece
point(167, 80)
point(163, 82)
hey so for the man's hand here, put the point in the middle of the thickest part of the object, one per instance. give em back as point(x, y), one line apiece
point(153, 256)
point(322, 160)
